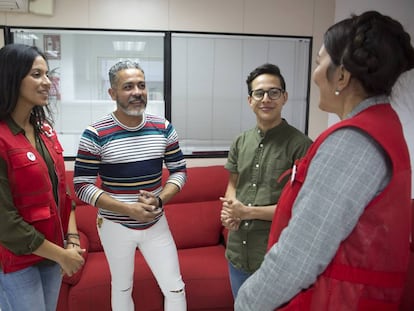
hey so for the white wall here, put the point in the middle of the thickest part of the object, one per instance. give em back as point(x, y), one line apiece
point(401, 10)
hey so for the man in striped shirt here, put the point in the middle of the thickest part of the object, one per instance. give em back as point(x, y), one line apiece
point(127, 150)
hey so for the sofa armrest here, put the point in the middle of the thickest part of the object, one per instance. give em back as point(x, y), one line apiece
point(224, 235)
point(84, 244)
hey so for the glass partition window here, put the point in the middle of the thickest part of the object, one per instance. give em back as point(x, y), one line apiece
point(209, 92)
point(206, 92)
point(79, 61)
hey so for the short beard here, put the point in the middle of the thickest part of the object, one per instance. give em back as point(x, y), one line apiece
point(133, 113)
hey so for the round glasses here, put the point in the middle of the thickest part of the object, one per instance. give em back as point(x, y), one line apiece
point(273, 93)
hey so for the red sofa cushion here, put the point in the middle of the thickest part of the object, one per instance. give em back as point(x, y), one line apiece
point(86, 221)
point(95, 281)
point(211, 281)
point(203, 184)
point(195, 224)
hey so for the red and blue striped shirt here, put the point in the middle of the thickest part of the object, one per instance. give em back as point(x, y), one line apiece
point(127, 160)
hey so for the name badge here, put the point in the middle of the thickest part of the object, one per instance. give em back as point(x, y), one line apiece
point(31, 156)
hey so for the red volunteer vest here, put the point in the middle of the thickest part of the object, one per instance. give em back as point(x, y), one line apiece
point(32, 191)
point(368, 270)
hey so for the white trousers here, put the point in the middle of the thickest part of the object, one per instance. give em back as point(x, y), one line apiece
point(158, 248)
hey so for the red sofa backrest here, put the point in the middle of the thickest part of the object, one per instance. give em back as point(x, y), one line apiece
point(193, 214)
point(203, 184)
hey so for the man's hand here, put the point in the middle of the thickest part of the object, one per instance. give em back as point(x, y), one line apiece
point(148, 198)
point(230, 223)
point(229, 216)
point(143, 212)
point(234, 208)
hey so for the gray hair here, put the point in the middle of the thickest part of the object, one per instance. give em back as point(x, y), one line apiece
point(121, 65)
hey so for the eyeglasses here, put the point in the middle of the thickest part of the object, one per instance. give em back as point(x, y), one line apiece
point(273, 93)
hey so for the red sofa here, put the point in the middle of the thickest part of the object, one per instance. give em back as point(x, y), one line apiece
point(194, 219)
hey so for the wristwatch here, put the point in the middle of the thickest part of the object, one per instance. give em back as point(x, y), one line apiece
point(160, 204)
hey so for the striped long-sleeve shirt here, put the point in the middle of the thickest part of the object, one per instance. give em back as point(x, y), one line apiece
point(127, 160)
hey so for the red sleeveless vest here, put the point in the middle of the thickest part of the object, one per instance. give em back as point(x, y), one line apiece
point(373, 281)
point(32, 191)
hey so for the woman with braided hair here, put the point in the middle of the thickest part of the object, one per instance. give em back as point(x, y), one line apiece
point(340, 235)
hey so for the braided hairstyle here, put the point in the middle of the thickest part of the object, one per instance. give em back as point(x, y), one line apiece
point(373, 47)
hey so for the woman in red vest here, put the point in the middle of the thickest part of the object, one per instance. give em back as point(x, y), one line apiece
point(340, 235)
point(35, 210)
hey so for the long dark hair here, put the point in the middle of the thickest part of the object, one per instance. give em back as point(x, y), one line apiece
point(16, 61)
point(373, 47)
